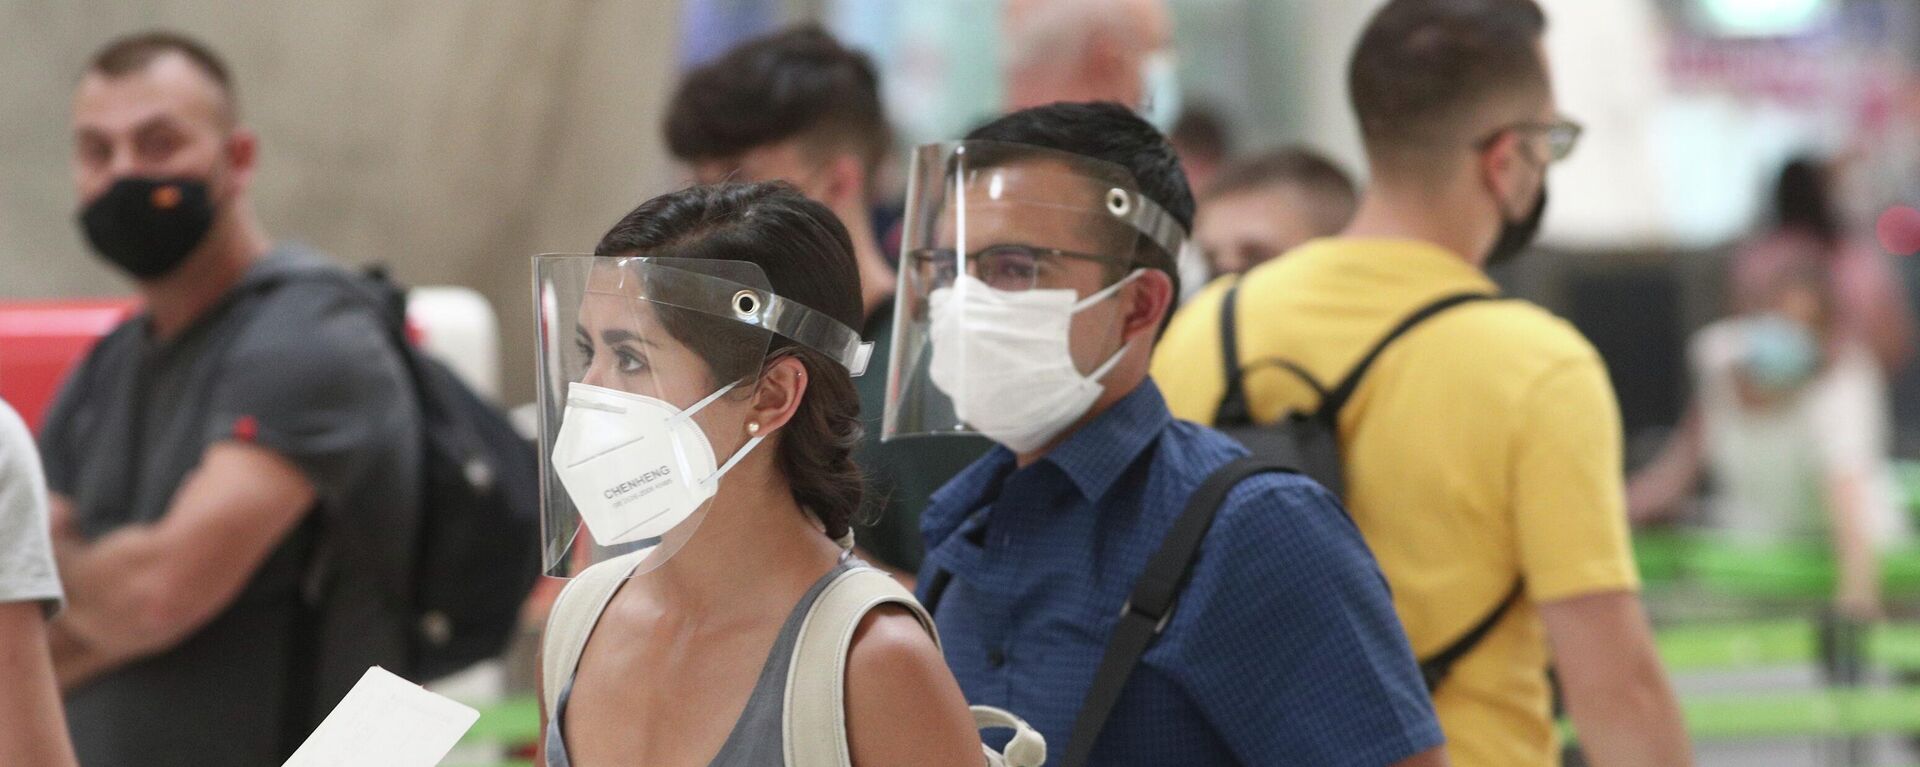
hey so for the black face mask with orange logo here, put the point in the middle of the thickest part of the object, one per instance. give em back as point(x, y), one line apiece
point(148, 226)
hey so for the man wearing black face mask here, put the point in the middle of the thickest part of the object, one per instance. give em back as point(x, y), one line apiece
point(1481, 449)
point(212, 455)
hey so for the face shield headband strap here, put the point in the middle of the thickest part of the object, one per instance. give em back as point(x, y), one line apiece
point(761, 309)
point(1133, 207)
point(1145, 215)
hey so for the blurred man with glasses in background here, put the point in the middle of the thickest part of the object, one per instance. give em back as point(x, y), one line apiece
point(1481, 452)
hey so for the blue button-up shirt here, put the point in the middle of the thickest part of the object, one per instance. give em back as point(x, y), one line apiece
point(1283, 649)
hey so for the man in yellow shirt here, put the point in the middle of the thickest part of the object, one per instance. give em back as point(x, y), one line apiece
point(1482, 449)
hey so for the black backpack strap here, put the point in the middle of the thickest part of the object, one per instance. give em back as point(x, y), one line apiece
point(1337, 398)
point(1435, 668)
point(1151, 604)
point(1233, 410)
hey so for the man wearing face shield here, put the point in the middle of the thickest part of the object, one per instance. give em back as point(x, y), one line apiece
point(205, 449)
point(1481, 451)
point(1037, 270)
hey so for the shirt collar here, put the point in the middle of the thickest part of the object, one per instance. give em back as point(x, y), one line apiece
point(1091, 458)
point(1406, 260)
point(1094, 456)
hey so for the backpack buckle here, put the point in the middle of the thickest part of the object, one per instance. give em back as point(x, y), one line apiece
point(1158, 627)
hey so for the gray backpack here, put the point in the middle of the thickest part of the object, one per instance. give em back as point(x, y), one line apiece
point(1310, 441)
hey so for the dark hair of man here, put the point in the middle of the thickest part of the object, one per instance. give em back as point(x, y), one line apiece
point(1103, 130)
point(132, 54)
point(807, 257)
point(1424, 70)
point(1329, 187)
point(800, 83)
point(1802, 201)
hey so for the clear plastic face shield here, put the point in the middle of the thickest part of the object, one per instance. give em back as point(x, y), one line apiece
point(648, 370)
point(1005, 244)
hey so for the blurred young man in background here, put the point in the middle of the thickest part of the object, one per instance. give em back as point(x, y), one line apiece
point(1482, 452)
point(235, 470)
point(1265, 205)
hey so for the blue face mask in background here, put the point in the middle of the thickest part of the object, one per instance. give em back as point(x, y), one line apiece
point(1781, 353)
point(1160, 90)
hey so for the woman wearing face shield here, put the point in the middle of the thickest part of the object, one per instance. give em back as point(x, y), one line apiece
point(700, 415)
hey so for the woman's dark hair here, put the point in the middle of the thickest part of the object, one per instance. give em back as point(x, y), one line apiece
point(807, 257)
point(1803, 201)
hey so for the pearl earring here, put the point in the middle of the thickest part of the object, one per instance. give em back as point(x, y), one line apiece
point(753, 428)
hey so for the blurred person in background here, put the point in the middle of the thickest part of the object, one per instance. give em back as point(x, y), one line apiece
point(235, 469)
point(1091, 50)
point(32, 728)
point(1482, 451)
point(798, 106)
point(1810, 230)
point(1265, 205)
point(1790, 417)
point(1204, 143)
point(1098, 50)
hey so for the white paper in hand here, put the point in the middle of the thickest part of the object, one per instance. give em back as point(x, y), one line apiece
point(386, 721)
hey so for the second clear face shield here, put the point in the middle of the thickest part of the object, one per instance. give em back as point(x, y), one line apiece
point(649, 367)
point(1004, 245)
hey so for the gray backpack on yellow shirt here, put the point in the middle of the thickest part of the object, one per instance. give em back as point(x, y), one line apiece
point(1311, 440)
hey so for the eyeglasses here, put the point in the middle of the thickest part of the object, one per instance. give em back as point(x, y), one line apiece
point(1561, 134)
point(1006, 266)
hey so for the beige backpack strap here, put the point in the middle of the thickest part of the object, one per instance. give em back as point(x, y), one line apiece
point(1025, 749)
point(815, 706)
point(572, 618)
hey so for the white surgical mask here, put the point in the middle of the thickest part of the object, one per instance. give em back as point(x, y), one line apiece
point(1006, 360)
point(1160, 90)
point(635, 466)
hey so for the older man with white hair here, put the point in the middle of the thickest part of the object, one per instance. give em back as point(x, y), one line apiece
point(1091, 50)
point(1098, 50)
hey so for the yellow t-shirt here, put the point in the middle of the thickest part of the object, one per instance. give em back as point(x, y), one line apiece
point(1482, 446)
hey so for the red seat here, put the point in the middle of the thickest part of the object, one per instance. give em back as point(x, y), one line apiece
point(41, 341)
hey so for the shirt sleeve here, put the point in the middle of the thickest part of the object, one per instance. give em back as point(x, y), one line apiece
point(1568, 498)
point(1287, 640)
point(319, 383)
point(27, 571)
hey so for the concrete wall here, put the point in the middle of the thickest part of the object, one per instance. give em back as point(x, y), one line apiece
point(448, 139)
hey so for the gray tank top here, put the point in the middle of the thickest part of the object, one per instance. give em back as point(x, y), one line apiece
point(757, 739)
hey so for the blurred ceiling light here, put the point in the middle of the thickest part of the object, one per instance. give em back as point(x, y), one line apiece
point(1764, 18)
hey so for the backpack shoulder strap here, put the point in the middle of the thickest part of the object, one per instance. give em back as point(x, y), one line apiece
point(571, 621)
point(815, 727)
point(1338, 396)
point(815, 730)
point(1151, 604)
point(1435, 668)
point(1233, 409)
